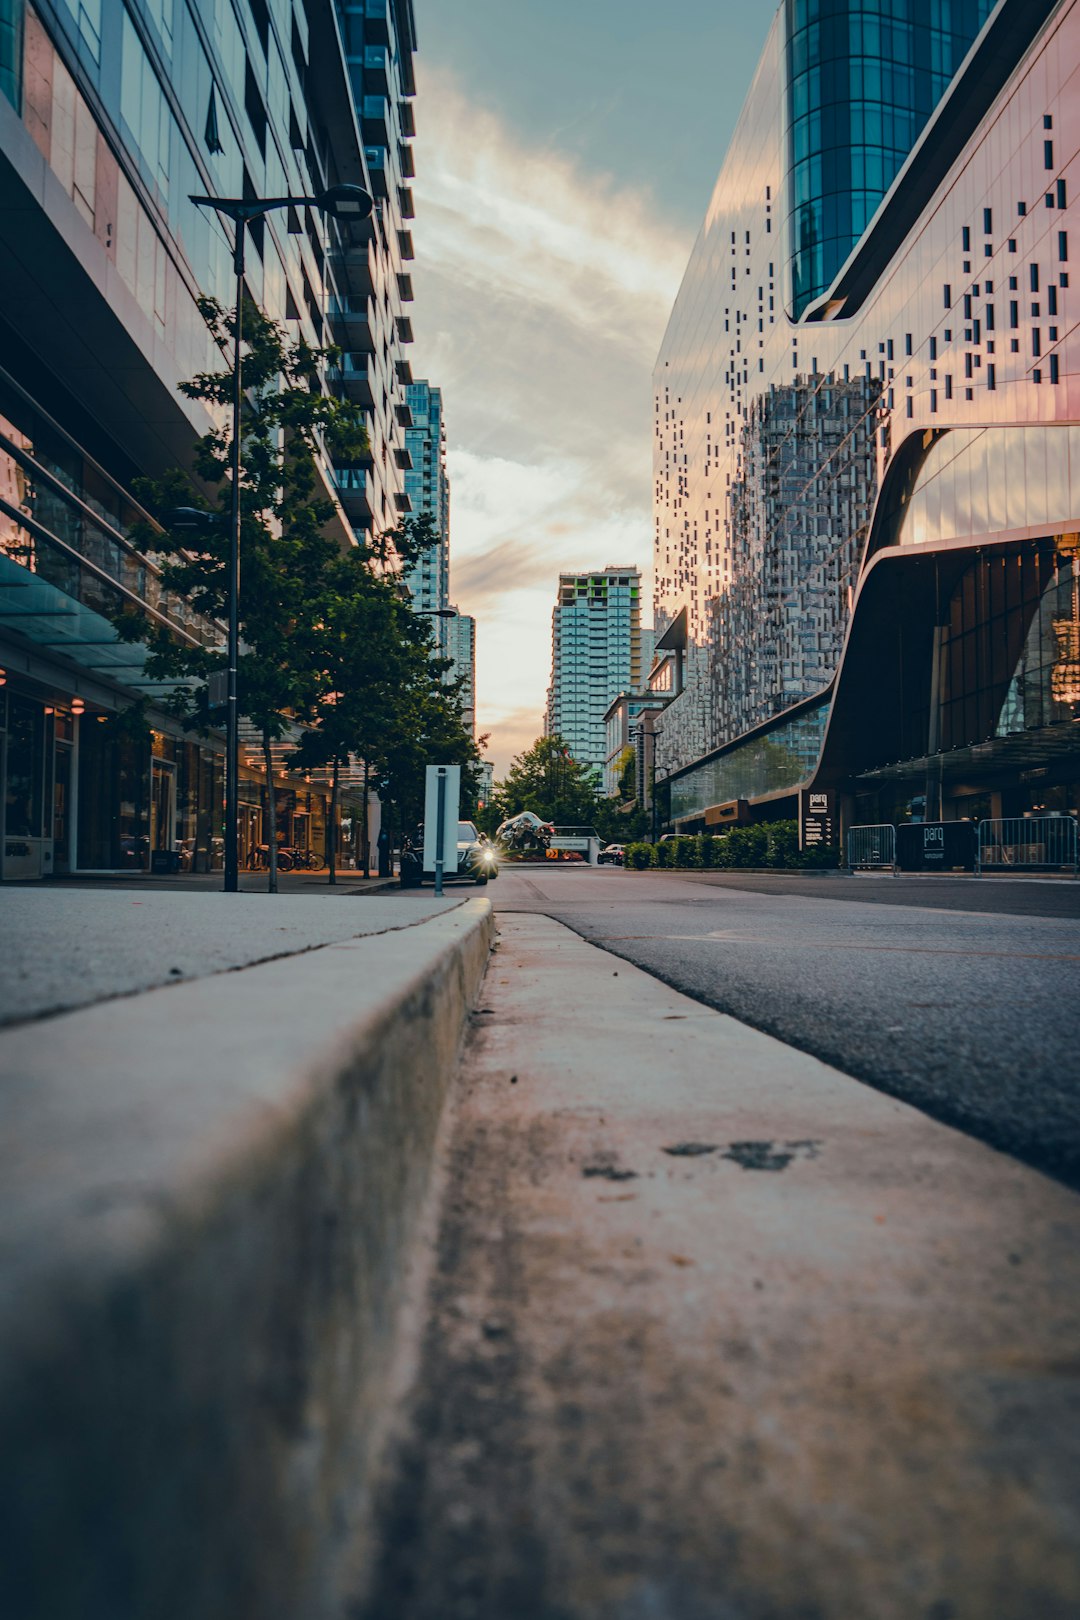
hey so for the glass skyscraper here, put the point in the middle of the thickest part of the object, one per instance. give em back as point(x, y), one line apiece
point(866, 492)
point(428, 490)
point(596, 653)
point(862, 80)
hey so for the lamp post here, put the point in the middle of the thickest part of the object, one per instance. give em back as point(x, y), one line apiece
point(348, 204)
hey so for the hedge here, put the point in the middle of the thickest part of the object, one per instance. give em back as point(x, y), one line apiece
point(773, 844)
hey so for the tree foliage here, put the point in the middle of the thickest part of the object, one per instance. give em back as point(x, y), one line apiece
point(328, 640)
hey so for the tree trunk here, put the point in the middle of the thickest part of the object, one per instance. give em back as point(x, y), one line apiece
point(331, 829)
point(365, 836)
point(271, 817)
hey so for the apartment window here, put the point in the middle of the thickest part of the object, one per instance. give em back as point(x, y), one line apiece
point(143, 106)
point(87, 18)
point(988, 221)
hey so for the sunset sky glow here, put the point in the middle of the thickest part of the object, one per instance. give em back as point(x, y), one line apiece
point(564, 162)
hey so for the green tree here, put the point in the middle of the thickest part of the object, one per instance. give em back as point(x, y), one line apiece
point(285, 543)
point(547, 780)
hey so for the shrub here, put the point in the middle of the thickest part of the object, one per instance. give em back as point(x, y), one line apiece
point(638, 856)
point(782, 844)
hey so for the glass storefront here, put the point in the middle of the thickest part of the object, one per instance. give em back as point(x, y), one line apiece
point(771, 762)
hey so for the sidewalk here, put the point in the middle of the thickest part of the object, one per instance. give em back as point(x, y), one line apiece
point(718, 1333)
point(209, 1191)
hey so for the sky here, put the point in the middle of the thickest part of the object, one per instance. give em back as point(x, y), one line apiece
point(566, 151)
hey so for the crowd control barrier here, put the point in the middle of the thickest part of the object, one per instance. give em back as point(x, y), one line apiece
point(872, 848)
point(1027, 844)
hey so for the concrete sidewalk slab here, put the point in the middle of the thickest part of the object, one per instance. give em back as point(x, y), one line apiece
point(67, 948)
point(207, 1200)
point(718, 1333)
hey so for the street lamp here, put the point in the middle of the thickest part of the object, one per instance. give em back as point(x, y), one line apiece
point(350, 204)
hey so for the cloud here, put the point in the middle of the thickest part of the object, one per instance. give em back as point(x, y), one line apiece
point(542, 292)
point(508, 565)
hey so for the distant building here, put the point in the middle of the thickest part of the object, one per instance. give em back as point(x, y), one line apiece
point(629, 723)
point(428, 491)
point(596, 653)
point(461, 648)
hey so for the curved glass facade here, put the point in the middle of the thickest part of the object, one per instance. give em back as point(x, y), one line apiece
point(863, 78)
point(774, 762)
point(984, 480)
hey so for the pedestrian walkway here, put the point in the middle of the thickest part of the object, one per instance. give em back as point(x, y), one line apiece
point(68, 947)
point(715, 1332)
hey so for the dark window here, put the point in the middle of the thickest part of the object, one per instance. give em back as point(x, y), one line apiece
point(965, 236)
point(991, 378)
point(253, 105)
point(1021, 209)
point(907, 342)
point(933, 348)
point(1036, 342)
point(1051, 301)
point(262, 21)
point(212, 131)
point(1012, 244)
point(989, 317)
point(947, 289)
point(948, 387)
point(1063, 245)
point(1048, 154)
point(1014, 314)
point(988, 221)
point(1061, 194)
point(1053, 368)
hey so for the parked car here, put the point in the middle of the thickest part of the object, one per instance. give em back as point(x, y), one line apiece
point(476, 862)
point(612, 855)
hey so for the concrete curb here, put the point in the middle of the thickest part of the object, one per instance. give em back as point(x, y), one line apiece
point(209, 1194)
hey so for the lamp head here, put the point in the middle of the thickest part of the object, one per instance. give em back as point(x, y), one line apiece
point(347, 203)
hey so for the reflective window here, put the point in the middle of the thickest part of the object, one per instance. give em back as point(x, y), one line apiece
point(861, 86)
point(780, 759)
point(11, 51)
point(144, 108)
point(985, 480)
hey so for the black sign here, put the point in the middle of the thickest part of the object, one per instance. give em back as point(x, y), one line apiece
point(818, 822)
point(936, 846)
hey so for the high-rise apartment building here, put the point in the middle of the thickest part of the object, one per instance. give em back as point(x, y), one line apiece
point(112, 114)
point(428, 489)
point(596, 653)
point(370, 317)
point(865, 501)
point(461, 650)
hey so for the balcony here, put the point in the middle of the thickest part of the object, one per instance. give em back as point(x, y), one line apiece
point(403, 459)
point(405, 287)
point(375, 120)
point(377, 72)
point(376, 166)
point(408, 121)
point(402, 501)
point(378, 23)
point(358, 378)
point(405, 160)
point(405, 245)
point(403, 415)
point(357, 268)
point(405, 202)
point(403, 370)
point(404, 329)
point(356, 492)
point(353, 320)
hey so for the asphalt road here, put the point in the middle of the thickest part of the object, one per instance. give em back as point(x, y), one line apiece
point(959, 996)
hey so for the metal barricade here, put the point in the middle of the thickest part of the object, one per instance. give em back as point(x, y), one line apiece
point(1028, 844)
point(872, 848)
